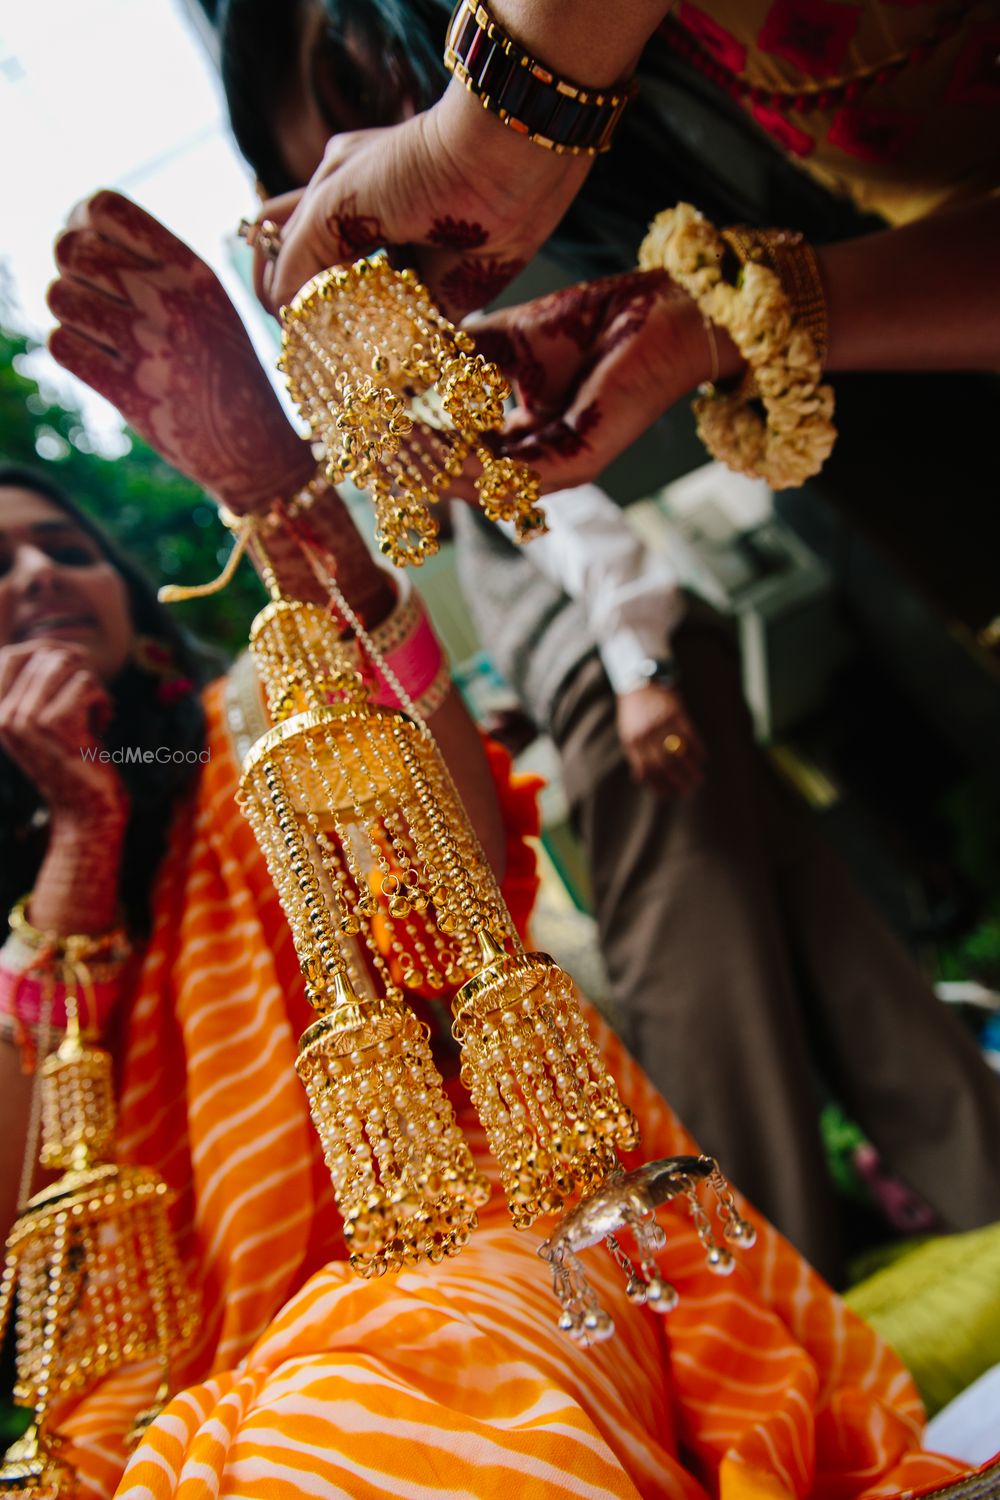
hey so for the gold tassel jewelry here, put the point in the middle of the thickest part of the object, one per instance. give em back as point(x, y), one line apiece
point(363, 831)
point(91, 1259)
point(318, 790)
point(360, 824)
point(400, 400)
point(552, 1113)
point(550, 1109)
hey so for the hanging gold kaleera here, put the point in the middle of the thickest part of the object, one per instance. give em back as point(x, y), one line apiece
point(363, 829)
point(552, 1113)
point(91, 1261)
point(318, 792)
point(369, 825)
point(400, 400)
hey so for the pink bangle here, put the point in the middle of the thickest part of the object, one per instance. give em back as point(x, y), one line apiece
point(23, 992)
point(411, 651)
point(415, 663)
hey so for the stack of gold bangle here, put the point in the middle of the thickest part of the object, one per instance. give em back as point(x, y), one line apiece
point(102, 954)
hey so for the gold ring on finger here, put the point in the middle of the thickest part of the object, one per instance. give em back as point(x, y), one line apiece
point(263, 235)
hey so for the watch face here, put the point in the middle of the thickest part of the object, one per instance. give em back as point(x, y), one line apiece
point(659, 670)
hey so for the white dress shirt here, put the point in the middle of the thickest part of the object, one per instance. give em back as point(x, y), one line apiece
point(631, 596)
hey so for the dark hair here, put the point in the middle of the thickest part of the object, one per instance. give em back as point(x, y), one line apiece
point(398, 44)
point(143, 715)
point(681, 138)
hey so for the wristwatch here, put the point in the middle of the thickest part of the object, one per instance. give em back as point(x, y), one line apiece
point(524, 93)
point(658, 671)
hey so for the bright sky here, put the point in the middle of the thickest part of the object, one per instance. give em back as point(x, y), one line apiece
point(112, 93)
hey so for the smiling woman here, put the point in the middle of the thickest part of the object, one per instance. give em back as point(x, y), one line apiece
point(83, 638)
point(58, 584)
point(85, 655)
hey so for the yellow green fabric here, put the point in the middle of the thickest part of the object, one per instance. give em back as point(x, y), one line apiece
point(939, 1308)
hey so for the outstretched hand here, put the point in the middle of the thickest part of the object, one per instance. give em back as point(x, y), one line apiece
point(594, 365)
point(470, 201)
point(146, 323)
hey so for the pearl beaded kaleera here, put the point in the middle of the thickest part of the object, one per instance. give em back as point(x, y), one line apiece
point(386, 891)
point(796, 435)
point(363, 831)
point(92, 1262)
point(360, 823)
point(400, 400)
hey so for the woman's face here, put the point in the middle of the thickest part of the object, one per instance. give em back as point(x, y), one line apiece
point(332, 93)
point(57, 585)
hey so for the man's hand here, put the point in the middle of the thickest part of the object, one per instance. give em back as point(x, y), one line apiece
point(145, 322)
point(664, 750)
point(471, 199)
point(594, 365)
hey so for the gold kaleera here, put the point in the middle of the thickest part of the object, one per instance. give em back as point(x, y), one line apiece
point(400, 400)
point(552, 1113)
point(359, 822)
point(362, 827)
point(92, 1262)
point(317, 792)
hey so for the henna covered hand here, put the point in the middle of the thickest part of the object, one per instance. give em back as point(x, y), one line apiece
point(595, 365)
point(51, 709)
point(146, 323)
point(473, 200)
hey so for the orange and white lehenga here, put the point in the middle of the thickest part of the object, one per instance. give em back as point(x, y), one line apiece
point(450, 1379)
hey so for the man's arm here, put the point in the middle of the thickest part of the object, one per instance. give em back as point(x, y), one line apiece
point(630, 594)
point(633, 603)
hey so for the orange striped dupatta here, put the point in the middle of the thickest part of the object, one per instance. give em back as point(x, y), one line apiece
point(453, 1379)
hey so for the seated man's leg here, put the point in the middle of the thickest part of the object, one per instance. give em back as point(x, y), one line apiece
point(694, 939)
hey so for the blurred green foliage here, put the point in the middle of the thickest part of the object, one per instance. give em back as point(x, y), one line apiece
point(159, 516)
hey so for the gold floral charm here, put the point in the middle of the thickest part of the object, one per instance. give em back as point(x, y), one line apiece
point(399, 399)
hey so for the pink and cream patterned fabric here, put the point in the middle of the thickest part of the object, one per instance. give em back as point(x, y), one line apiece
point(893, 102)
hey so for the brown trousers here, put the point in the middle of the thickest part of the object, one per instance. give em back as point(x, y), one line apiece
point(748, 968)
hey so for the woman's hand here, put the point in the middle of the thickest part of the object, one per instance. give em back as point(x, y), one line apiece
point(594, 365)
point(664, 750)
point(476, 199)
point(52, 711)
point(146, 323)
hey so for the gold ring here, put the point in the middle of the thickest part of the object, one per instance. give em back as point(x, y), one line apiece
point(263, 235)
point(673, 744)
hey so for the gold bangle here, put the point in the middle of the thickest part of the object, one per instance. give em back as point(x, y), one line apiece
point(526, 94)
point(73, 947)
point(713, 349)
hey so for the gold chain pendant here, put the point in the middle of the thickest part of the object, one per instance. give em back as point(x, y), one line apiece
point(400, 401)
